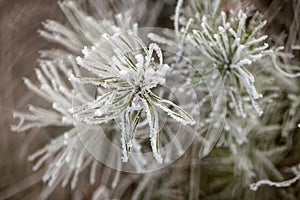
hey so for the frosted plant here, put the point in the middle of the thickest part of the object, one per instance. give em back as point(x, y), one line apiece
point(241, 146)
point(287, 112)
point(211, 38)
point(126, 68)
point(53, 89)
point(231, 48)
point(67, 151)
point(225, 49)
point(84, 30)
point(187, 16)
point(250, 144)
point(245, 152)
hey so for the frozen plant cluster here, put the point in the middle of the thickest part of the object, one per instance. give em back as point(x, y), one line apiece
point(127, 71)
point(105, 76)
point(231, 49)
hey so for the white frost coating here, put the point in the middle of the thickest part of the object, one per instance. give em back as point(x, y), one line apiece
point(123, 140)
point(161, 40)
point(152, 118)
point(258, 40)
point(183, 118)
point(254, 186)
